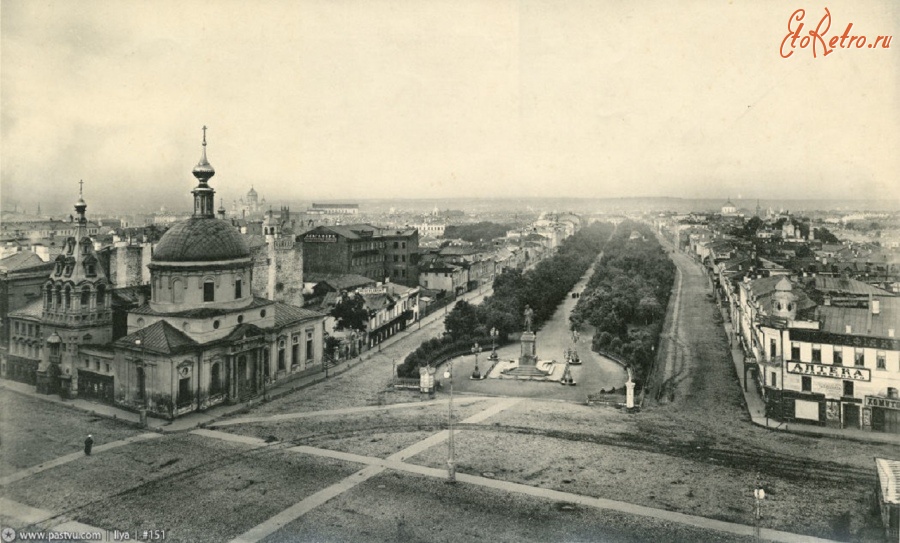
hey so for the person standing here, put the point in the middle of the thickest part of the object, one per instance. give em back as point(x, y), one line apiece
point(88, 444)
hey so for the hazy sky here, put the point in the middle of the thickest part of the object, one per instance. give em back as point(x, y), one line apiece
point(347, 99)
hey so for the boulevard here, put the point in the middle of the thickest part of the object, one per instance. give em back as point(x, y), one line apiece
point(351, 459)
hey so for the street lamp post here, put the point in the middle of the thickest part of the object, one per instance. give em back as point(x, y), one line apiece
point(760, 494)
point(143, 366)
point(475, 350)
point(494, 335)
point(451, 460)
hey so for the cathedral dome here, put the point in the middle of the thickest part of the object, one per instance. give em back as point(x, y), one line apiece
point(201, 239)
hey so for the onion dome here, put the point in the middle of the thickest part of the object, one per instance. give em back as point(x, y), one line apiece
point(203, 171)
point(252, 192)
point(201, 239)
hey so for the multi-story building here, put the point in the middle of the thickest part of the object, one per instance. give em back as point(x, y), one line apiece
point(834, 363)
point(362, 249)
point(333, 209)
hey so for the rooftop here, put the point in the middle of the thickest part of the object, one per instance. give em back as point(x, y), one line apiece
point(862, 322)
point(160, 337)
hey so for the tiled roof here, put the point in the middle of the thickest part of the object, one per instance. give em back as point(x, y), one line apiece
point(286, 314)
point(835, 319)
point(846, 286)
point(340, 282)
point(201, 239)
point(34, 310)
point(24, 259)
point(159, 337)
point(203, 312)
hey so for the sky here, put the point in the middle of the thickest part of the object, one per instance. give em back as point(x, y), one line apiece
point(342, 100)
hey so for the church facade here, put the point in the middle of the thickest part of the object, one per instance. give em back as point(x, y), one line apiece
point(203, 338)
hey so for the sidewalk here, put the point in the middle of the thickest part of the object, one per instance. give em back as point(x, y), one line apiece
point(276, 390)
point(757, 410)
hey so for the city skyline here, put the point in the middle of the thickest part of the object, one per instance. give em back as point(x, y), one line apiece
point(362, 101)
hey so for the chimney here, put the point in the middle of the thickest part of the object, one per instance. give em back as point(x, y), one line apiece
point(848, 329)
point(827, 300)
point(890, 332)
point(876, 306)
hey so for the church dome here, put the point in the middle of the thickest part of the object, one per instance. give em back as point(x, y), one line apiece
point(201, 239)
point(251, 192)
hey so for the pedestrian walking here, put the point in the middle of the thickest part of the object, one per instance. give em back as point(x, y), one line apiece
point(88, 444)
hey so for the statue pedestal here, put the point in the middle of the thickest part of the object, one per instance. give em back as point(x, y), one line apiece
point(629, 394)
point(528, 357)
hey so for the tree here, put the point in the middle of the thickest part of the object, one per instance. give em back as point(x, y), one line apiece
point(350, 313)
point(462, 321)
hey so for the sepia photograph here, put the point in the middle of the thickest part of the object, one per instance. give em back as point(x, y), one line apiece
point(449, 271)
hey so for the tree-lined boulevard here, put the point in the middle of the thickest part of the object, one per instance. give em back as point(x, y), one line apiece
point(351, 459)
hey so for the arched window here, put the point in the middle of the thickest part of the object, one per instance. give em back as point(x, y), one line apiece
point(58, 297)
point(281, 361)
point(177, 291)
point(215, 379)
point(67, 299)
point(48, 299)
point(238, 287)
point(209, 291)
point(85, 297)
point(101, 296)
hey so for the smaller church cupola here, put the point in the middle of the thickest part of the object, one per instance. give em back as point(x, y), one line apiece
point(784, 301)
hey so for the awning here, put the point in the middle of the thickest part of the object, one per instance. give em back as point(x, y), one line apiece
point(889, 479)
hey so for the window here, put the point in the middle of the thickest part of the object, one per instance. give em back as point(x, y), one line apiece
point(880, 361)
point(177, 291)
point(85, 297)
point(237, 289)
point(240, 319)
point(216, 324)
point(402, 258)
point(848, 389)
point(215, 380)
point(817, 353)
point(403, 245)
point(184, 391)
point(295, 350)
point(107, 368)
point(262, 313)
point(806, 384)
point(396, 245)
point(838, 356)
point(209, 291)
point(281, 362)
point(101, 296)
point(859, 357)
point(396, 258)
point(774, 379)
point(309, 345)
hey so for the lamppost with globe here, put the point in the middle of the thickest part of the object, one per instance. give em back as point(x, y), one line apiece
point(760, 494)
point(475, 350)
point(451, 460)
point(494, 335)
point(143, 367)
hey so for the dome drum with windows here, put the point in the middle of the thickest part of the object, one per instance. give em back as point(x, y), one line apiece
point(201, 260)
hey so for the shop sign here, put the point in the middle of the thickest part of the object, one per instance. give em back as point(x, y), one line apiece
point(321, 238)
point(874, 401)
point(835, 372)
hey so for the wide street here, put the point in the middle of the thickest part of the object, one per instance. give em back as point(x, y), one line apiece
point(350, 459)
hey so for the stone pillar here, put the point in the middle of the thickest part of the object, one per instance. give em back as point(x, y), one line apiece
point(629, 394)
point(528, 357)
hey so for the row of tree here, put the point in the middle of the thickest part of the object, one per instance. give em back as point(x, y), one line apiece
point(542, 288)
point(625, 300)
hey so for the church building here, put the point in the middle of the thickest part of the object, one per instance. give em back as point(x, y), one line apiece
point(201, 339)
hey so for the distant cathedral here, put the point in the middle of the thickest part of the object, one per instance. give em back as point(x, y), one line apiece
point(253, 205)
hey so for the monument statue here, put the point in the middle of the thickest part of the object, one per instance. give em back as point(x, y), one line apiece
point(529, 318)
